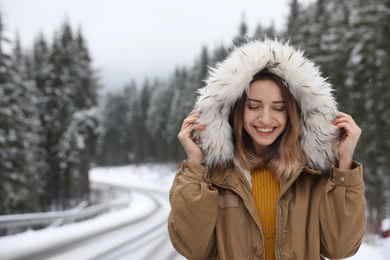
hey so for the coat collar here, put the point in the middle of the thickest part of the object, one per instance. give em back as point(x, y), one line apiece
point(233, 177)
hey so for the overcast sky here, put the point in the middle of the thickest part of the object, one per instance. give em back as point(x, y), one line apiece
point(134, 39)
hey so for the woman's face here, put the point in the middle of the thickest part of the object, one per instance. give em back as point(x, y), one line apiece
point(265, 114)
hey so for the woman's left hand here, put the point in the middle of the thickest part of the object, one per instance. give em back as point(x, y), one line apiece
point(350, 133)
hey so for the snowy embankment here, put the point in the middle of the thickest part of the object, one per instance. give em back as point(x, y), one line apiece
point(154, 177)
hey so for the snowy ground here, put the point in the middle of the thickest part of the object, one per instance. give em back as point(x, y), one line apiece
point(156, 177)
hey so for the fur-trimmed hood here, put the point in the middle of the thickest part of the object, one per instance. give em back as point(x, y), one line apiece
point(228, 80)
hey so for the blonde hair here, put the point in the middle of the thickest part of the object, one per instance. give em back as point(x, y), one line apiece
point(285, 155)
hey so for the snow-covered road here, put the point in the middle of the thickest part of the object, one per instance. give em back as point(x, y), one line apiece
point(137, 232)
point(141, 238)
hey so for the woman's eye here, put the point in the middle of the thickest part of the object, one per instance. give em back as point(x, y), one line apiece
point(253, 106)
point(279, 108)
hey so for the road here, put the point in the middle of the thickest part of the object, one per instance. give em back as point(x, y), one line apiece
point(143, 238)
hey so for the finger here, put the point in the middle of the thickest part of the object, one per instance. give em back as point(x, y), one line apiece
point(189, 121)
point(340, 114)
point(196, 126)
point(344, 118)
point(348, 129)
point(345, 128)
point(190, 125)
point(193, 112)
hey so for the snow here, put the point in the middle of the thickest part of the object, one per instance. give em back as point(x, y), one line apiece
point(367, 251)
point(34, 241)
point(153, 177)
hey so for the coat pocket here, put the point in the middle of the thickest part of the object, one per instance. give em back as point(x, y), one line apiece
point(227, 199)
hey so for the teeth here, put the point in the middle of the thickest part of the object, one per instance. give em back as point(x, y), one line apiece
point(265, 130)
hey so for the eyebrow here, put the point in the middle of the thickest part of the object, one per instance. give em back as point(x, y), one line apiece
point(274, 102)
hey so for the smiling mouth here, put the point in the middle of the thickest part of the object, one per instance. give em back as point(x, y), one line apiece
point(265, 130)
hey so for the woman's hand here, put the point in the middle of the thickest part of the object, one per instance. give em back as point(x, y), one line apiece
point(193, 151)
point(350, 133)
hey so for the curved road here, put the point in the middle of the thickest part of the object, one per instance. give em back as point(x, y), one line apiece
point(145, 238)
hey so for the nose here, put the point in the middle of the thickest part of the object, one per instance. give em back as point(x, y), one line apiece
point(265, 117)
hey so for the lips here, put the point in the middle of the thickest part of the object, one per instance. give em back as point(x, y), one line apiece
point(265, 131)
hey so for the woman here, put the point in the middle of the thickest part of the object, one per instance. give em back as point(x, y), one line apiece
point(269, 171)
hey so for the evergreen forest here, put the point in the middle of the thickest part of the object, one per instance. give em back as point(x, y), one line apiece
point(54, 125)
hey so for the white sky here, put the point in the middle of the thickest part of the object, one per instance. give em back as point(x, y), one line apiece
point(134, 39)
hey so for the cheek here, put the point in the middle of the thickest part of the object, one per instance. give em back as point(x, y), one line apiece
point(247, 119)
point(283, 120)
point(249, 116)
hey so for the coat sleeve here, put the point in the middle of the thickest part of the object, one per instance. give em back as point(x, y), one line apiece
point(343, 213)
point(194, 206)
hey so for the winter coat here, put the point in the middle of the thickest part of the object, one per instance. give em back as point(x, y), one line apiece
point(214, 215)
point(320, 209)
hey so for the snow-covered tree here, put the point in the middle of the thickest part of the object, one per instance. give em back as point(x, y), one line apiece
point(118, 135)
point(87, 83)
point(141, 149)
point(19, 180)
point(295, 23)
point(368, 84)
point(67, 88)
point(157, 118)
point(77, 150)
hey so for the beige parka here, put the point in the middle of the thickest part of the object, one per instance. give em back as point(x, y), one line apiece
point(214, 215)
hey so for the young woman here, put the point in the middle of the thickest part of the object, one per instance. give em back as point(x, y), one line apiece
point(269, 171)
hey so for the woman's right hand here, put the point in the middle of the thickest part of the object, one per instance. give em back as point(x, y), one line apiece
point(193, 151)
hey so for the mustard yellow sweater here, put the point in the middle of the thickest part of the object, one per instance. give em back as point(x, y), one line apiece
point(265, 190)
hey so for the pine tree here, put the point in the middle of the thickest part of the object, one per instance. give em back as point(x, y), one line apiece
point(242, 36)
point(369, 87)
point(87, 83)
point(77, 143)
point(383, 56)
point(6, 130)
point(117, 133)
point(67, 89)
point(54, 120)
point(219, 55)
point(261, 33)
point(19, 179)
point(143, 140)
point(158, 117)
point(76, 140)
point(294, 23)
point(131, 134)
point(39, 74)
point(77, 146)
point(29, 135)
point(181, 105)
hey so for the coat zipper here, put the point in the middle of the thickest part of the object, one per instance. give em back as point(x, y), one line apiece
point(281, 228)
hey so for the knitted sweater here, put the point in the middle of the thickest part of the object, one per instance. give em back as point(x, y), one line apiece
point(265, 190)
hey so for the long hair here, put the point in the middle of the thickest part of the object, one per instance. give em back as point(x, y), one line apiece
point(285, 155)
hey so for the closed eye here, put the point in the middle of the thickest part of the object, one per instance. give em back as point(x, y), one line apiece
point(251, 104)
point(279, 108)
